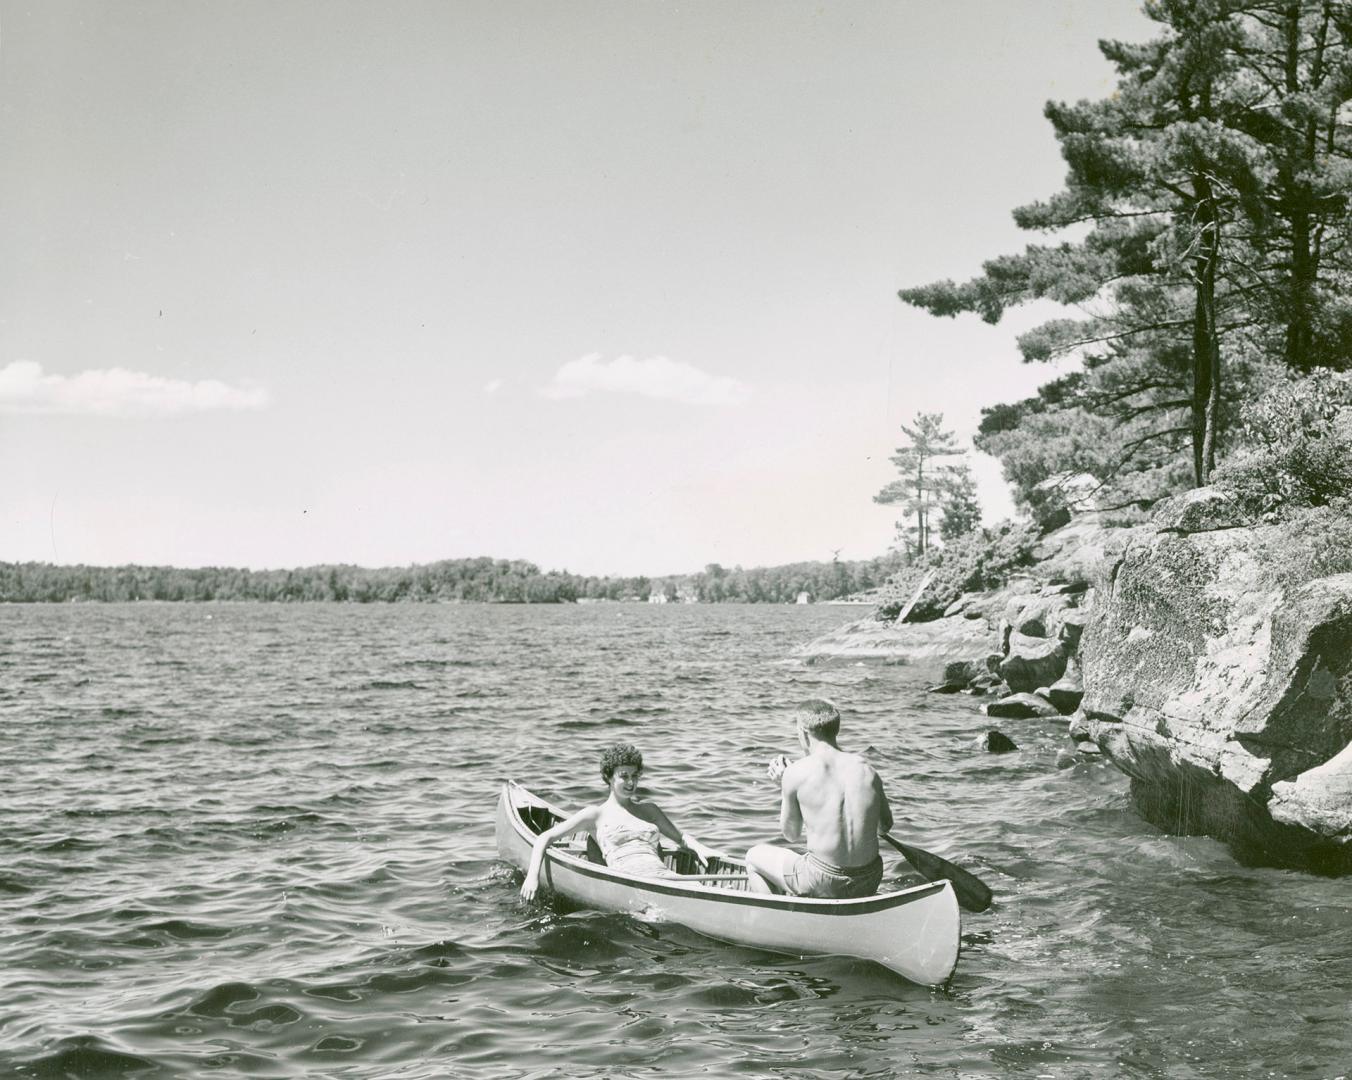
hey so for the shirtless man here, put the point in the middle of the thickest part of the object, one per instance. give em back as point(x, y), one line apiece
point(837, 801)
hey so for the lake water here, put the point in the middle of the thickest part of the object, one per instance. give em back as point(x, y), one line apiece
point(250, 840)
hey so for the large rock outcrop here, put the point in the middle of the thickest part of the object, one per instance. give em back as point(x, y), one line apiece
point(1218, 676)
point(1025, 633)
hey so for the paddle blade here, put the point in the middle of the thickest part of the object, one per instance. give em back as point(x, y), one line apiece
point(973, 894)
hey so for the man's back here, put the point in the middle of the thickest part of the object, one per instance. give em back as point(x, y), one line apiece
point(841, 802)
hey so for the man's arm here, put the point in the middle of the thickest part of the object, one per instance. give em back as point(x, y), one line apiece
point(884, 810)
point(790, 814)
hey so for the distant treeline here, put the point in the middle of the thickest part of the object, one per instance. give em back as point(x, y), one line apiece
point(468, 580)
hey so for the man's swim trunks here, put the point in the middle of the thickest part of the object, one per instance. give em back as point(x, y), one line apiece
point(811, 876)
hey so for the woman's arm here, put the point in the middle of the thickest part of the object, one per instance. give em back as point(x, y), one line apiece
point(667, 829)
point(584, 818)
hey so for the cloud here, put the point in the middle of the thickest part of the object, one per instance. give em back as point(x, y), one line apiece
point(655, 377)
point(492, 386)
point(116, 392)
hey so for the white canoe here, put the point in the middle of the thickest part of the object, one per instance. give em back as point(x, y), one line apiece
point(915, 932)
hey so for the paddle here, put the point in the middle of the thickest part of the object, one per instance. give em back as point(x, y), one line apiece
point(973, 894)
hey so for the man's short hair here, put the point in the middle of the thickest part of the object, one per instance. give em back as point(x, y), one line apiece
point(620, 754)
point(818, 718)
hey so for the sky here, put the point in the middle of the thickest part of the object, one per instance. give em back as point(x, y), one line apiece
point(610, 287)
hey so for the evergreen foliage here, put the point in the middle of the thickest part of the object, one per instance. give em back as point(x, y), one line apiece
point(1297, 447)
point(1214, 184)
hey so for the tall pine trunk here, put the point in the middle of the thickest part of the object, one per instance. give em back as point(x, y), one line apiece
point(1206, 349)
point(1303, 254)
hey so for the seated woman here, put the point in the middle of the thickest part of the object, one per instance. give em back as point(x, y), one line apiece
point(625, 827)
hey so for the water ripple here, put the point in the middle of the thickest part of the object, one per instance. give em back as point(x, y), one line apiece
point(261, 844)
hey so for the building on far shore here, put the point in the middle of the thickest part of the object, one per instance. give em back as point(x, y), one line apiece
point(804, 598)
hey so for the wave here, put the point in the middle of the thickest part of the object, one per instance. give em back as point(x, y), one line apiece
point(88, 1055)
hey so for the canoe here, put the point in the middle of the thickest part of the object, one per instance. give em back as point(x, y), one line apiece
point(914, 932)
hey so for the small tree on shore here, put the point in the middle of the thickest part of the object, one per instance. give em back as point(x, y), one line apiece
point(924, 483)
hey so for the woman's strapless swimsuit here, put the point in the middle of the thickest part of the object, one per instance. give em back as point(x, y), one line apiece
point(632, 848)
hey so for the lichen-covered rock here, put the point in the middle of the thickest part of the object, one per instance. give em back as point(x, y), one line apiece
point(1222, 684)
point(1200, 510)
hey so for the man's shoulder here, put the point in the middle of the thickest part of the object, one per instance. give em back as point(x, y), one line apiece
point(861, 762)
point(858, 768)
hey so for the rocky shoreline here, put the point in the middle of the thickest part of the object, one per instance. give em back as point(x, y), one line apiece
point(1203, 654)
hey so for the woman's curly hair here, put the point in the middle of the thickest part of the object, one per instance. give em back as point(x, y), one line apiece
point(620, 754)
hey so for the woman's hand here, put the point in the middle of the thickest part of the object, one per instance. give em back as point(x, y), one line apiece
point(777, 766)
point(704, 853)
point(530, 887)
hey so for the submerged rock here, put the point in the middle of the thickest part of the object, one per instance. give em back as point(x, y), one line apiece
point(1020, 707)
point(1218, 676)
point(996, 742)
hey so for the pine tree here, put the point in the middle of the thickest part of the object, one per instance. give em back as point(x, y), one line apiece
point(957, 495)
point(1215, 183)
point(920, 486)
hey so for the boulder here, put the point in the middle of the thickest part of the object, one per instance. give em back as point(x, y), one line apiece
point(1064, 588)
point(1043, 615)
point(1020, 707)
point(1067, 691)
point(1032, 662)
point(1200, 510)
point(946, 688)
point(1072, 628)
point(964, 671)
point(961, 605)
point(1218, 676)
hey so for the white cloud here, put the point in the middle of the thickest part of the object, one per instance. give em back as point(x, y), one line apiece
point(24, 388)
point(655, 377)
point(492, 386)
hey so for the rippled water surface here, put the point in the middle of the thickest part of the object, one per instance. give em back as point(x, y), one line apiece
point(249, 840)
